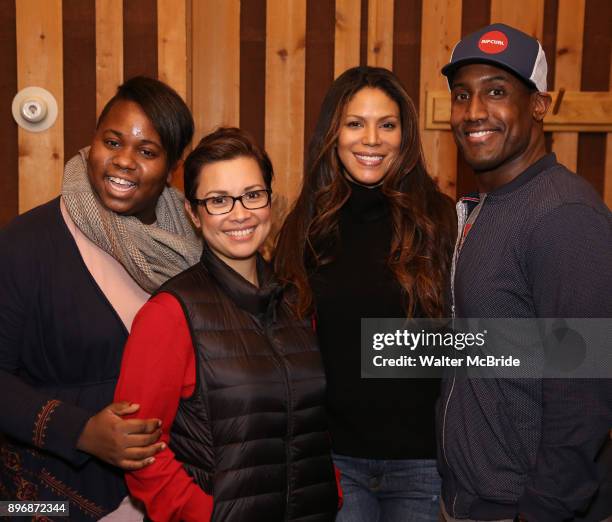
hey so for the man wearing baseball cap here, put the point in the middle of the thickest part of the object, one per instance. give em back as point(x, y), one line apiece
point(535, 242)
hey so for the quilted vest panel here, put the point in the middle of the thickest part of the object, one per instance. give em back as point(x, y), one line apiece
point(254, 433)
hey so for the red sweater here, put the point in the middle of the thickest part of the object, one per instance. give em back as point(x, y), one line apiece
point(159, 369)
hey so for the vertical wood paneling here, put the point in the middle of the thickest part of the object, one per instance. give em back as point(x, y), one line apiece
point(172, 44)
point(438, 146)
point(549, 44)
point(173, 32)
point(109, 50)
point(526, 15)
point(140, 38)
point(39, 63)
point(407, 46)
point(592, 158)
point(79, 47)
point(347, 36)
point(285, 64)
point(319, 71)
point(474, 15)
point(595, 77)
point(380, 33)
point(267, 64)
point(607, 195)
point(363, 32)
point(9, 179)
point(549, 39)
point(253, 68)
point(215, 49)
point(568, 67)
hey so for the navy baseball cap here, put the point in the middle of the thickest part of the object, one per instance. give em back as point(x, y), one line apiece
point(505, 47)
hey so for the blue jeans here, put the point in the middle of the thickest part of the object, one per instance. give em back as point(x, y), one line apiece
point(388, 490)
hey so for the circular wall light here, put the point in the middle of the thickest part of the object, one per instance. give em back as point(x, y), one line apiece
point(34, 109)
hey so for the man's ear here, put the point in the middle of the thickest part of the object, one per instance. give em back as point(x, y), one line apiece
point(541, 104)
point(192, 215)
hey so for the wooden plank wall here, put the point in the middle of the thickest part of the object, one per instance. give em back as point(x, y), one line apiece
point(285, 80)
point(265, 65)
point(39, 35)
point(9, 176)
point(215, 46)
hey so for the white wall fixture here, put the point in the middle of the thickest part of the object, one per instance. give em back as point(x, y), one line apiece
point(34, 109)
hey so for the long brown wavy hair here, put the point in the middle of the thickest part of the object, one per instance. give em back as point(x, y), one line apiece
point(423, 219)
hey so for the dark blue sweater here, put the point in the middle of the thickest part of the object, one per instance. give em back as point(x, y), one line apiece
point(541, 247)
point(61, 344)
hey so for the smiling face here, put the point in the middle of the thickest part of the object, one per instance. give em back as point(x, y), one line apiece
point(234, 237)
point(127, 164)
point(496, 121)
point(370, 136)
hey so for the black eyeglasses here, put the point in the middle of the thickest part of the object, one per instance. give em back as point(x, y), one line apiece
point(251, 200)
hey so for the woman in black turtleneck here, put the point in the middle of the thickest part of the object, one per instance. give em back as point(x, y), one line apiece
point(370, 236)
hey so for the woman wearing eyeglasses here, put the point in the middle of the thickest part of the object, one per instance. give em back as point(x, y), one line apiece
point(236, 379)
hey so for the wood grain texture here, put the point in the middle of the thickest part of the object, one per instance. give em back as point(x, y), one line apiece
point(253, 68)
point(568, 69)
point(79, 48)
point(526, 15)
point(172, 44)
point(172, 55)
point(407, 46)
point(285, 63)
point(39, 63)
point(596, 65)
point(607, 194)
point(215, 51)
point(109, 50)
point(363, 32)
point(549, 39)
point(347, 35)
point(380, 33)
point(436, 46)
point(139, 38)
point(580, 111)
point(549, 44)
point(9, 179)
point(278, 93)
point(319, 68)
point(474, 15)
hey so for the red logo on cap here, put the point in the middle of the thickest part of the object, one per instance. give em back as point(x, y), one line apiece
point(493, 42)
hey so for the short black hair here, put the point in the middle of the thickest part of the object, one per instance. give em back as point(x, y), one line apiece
point(225, 143)
point(167, 111)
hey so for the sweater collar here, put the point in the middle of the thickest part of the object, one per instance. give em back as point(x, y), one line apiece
point(257, 301)
point(366, 204)
point(544, 163)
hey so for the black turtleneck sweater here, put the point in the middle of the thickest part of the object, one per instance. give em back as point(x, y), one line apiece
point(369, 418)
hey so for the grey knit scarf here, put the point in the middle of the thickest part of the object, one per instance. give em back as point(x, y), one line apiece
point(150, 253)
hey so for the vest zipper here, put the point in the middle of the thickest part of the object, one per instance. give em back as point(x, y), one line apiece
point(283, 365)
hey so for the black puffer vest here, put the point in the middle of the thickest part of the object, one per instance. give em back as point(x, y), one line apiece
point(254, 433)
